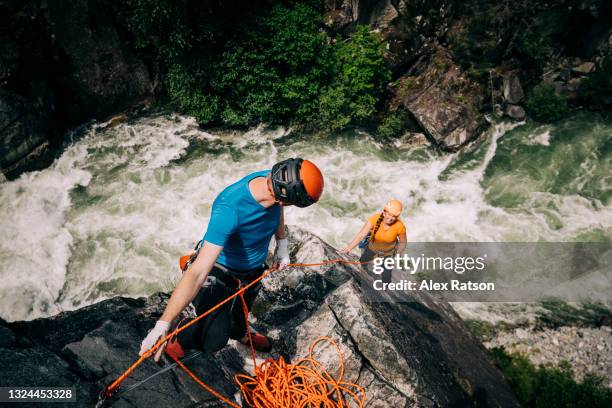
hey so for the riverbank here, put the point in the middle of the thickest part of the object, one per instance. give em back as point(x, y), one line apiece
point(397, 69)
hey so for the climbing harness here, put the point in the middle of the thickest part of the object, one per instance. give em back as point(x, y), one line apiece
point(275, 384)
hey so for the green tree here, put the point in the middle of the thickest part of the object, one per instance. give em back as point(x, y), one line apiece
point(362, 77)
point(545, 105)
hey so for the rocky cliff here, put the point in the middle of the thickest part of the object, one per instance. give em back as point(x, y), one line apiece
point(411, 353)
point(62, 63)
point(454, 61)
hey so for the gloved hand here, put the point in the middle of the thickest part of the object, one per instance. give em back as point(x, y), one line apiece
point(282, 253)
point(160, 330)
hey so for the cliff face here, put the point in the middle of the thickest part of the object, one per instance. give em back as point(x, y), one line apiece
point(453, 61)
point(62, 62)
point(414, 353)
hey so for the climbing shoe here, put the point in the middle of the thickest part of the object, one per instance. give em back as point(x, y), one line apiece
point(260, 342)
point(174, 349)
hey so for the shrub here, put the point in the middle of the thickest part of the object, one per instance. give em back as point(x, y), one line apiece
point(596, 89)
point(356, 88)
point(545, 105)
point(393, 124)
point(550, 386)
point(276, 69)
point(188, 96)
point(533, 49)
point(270, 65)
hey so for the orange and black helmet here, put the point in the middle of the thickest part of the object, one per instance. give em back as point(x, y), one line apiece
point(297, 182)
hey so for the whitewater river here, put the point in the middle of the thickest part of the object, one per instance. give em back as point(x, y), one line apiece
point(112, 215)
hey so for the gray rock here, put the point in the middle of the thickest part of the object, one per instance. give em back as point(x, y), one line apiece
point(410, 140)
point(573, 86)
point(7, 336)
point(513, 91)
point(561, 88)
point(444, 102)
point(415, 353)
point(408, 33)
point(516, 112)
point(38, 366)
point(63, 62)
point(584, 68)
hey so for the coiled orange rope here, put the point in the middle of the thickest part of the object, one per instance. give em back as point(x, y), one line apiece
point(275, 384)
point(307, 383)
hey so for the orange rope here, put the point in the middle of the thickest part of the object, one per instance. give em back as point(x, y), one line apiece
point(276, 382)
point(203, 384)
point(306, 383)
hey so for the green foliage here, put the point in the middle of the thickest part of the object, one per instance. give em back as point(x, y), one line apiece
point(480, 328)
point(393, 124)
point(356, 89)
point(183, 89)
point(545, 105)
point(262, 65)
point(521, 32)
point(533, 50)
point(275, 70)
point(596, 90)
point(558, 313)
point(160, 27)
point(549, 386)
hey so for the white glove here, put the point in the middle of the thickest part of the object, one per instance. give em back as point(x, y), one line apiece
point(156, 333)
point(282, 253)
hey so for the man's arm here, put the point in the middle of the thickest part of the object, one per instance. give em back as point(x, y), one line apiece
point(184, 292)
point(281, 257)
point(280, 231)
point(191, 281)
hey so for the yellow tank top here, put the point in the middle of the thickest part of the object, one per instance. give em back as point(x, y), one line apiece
point(386, 236)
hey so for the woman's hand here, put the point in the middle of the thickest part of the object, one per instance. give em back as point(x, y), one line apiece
point(346, 250)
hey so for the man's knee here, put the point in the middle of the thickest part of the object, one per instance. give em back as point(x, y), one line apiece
point(217, 333)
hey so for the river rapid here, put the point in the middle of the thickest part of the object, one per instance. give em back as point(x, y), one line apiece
point(114, 212)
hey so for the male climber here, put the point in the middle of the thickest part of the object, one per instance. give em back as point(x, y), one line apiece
point(243, 219)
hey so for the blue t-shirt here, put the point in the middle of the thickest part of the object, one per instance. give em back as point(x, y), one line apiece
point(242, 226)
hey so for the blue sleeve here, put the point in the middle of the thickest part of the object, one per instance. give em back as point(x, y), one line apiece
point(223, 223)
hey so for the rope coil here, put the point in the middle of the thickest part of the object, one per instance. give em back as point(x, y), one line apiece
point(307, 383)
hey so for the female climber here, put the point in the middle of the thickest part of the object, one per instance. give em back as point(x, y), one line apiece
point(382, 235)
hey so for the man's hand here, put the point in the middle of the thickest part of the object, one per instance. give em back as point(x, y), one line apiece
point(282, 253)
point(160, 330)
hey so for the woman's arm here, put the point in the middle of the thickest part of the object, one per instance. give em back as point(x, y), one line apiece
point(401, 246)
point(367, 227)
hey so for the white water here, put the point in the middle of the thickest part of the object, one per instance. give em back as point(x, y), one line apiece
point(112, 215)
